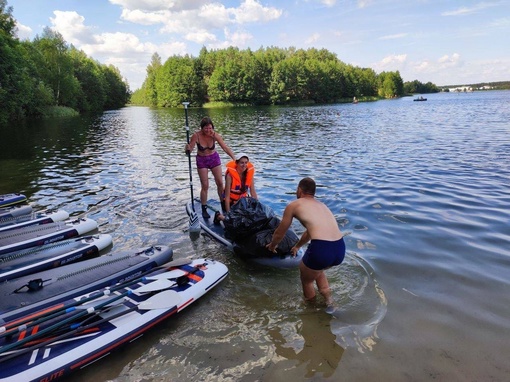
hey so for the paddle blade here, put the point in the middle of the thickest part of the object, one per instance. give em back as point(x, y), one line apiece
point(155, 286)
point(177, 262)
point(164, 300)
point(194, 223)
point(173, 274)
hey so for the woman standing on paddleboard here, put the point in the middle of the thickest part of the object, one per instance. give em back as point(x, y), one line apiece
point(208, 159)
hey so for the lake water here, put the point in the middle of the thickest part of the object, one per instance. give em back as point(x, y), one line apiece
point(422, 188)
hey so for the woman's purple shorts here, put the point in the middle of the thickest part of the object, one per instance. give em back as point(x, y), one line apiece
point(208, 161)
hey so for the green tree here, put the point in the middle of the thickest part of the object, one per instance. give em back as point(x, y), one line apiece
point(11, 73)
point(288, 81)
point(117, 89)
point(178, 82)
point(151, 94)
point(390, 85)
point(56, 67)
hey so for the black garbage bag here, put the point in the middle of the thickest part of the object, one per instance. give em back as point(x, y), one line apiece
point(255, 244)
point(247, 217)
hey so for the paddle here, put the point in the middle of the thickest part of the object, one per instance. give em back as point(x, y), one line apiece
point(104, 298)
point(210, 207)
point(194, 223)
point(165, 301)
point(51, 313)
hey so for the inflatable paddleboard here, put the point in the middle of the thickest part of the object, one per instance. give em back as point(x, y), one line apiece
point(36, 259)
point(43, 289)
point(11, 199)
point(15, 213)
point(217, 232)
point(54, 346)
point(31, 236)
point(33, 219)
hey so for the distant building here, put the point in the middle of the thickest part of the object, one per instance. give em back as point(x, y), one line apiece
point(461, 89)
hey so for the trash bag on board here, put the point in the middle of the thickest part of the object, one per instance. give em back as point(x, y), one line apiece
point(255, 244)
point(246, 217)
point(250, 225)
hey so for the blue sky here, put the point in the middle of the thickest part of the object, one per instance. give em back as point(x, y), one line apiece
point(441, 41)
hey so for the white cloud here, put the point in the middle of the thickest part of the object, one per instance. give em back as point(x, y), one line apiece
point(501, 23)
point(393, 36)
point(449, 61)
point(212, 15)
point(312, 39)
point(238, 38)
point(462, 11)
point(138, 16)
point(200, 37)
point(23, 32)
point(123, 50)
point(252, 11)
point(395, 59)
point(71, 26)
point(328, 3)
point(157, 5)
point(364, 3)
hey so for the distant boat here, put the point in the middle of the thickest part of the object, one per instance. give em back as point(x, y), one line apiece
point(354, 100)
point(420, 99)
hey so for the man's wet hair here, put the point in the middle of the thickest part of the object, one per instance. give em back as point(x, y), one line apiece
point(307, 185)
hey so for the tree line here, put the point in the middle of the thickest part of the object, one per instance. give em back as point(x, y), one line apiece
point(267, 76)
point(37, 77)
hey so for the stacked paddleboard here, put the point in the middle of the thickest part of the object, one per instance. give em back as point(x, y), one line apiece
point(64, 305)
point(7, 200)
point(35, 241)
point(51, 343)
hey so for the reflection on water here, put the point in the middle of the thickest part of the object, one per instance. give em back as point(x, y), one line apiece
point(422, 186)
point(362, 306)
point(311, 343)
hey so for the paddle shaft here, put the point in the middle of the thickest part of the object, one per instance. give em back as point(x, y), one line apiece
point(84, 313)
point(66, 335)
point(51, 328)
point(17, 324)
point(189, 153)
point(208, 206)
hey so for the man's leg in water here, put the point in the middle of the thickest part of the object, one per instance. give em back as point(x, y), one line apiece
point(324, 289)
point(308, 276)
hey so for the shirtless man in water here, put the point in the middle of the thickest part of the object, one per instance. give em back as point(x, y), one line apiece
point(326, 248)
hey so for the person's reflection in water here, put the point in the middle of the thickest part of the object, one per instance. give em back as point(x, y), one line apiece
point(320, 350)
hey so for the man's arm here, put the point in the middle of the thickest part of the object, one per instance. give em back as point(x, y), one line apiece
point(279, 233)
point(305, 238)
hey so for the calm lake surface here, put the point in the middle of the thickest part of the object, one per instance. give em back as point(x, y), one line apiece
point(422, 188)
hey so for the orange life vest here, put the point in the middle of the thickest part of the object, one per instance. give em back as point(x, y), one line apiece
point(235, 189)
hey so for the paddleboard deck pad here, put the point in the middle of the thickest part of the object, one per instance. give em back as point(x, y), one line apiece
point(36, 259)
point(31, 236)
point(33, 219)
point(43, 289)
point(77, 337)
point(248, 252)
point(12, 199)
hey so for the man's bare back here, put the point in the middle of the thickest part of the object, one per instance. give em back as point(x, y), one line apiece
point(318, 220)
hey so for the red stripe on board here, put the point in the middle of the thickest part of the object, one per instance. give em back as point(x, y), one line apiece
point(117, 344)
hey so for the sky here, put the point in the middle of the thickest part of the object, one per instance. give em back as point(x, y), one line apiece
point(446, 42)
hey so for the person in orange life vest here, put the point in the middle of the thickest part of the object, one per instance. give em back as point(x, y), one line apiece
point(239, 183)
point(208, 159)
